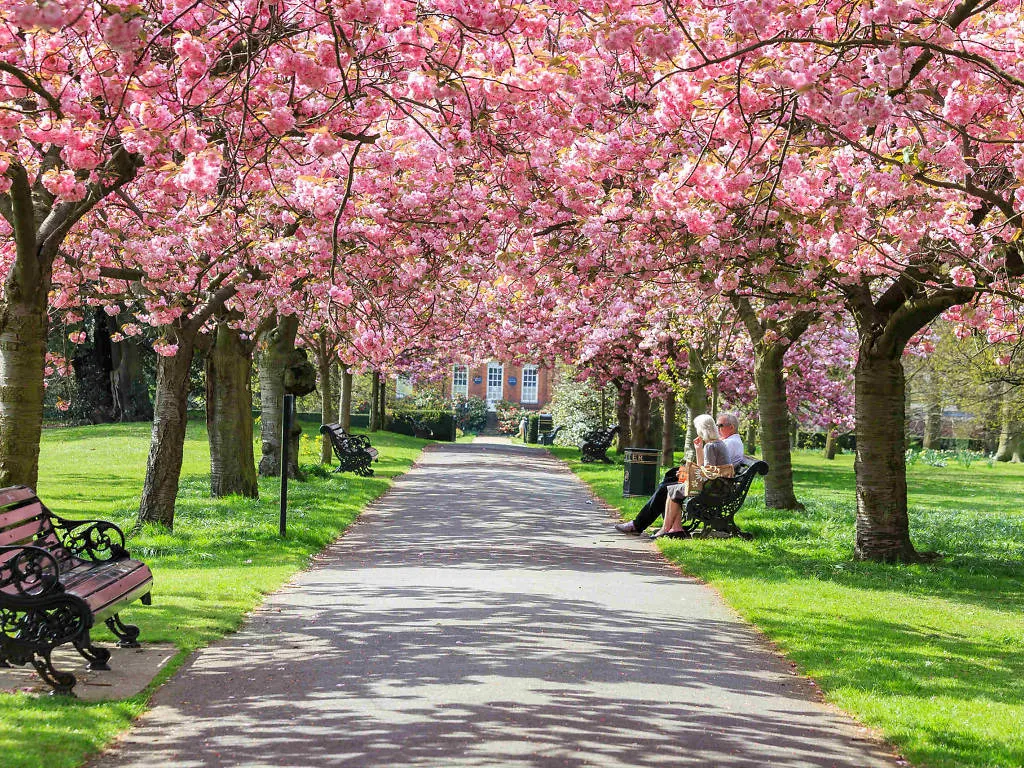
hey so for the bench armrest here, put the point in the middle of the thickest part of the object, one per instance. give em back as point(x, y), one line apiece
point(96, 541)
point(28, 571)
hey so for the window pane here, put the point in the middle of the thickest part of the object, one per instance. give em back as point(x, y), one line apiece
point(529, 392)
point(460, 380)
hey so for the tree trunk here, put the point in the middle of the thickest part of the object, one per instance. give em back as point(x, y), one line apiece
point(1011, 431)
point(750, 442)
point(93, 365)
point(774, 417)
point(933, 421)
point(22, 358)
point(276, 348)
point(623, 403)
point(346, 400)
point(831, 444)
point(229, 415)
point(696, 400)
point(167, 443)
point(883, 528)
point(375, 402)
point(325, 360)
point(668, 430)
point(382, 393)
point(640, 417)
point(129, 390)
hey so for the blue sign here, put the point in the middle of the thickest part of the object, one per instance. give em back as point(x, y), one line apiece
point(512, 381)
point(478, 379)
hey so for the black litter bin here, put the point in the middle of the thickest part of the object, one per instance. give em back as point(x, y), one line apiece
point(545, 422)
point(640, 475)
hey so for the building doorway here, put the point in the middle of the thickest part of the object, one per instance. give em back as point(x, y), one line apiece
point(495, 384)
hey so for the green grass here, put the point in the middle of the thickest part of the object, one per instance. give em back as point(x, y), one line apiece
point(932, 655)
point(222, 558)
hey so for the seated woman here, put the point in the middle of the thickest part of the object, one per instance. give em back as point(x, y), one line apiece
point(710, 451)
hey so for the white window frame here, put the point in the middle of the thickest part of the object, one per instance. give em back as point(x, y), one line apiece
point(463, 387)
point(495, 372)
point(529, 393)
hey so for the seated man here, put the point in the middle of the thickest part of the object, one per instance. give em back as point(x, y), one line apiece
point(729, 429)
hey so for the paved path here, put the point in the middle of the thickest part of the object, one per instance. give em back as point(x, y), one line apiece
point(485, 613)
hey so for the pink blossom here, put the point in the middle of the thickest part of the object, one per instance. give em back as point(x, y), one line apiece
point(962, 276)
point(165, 349)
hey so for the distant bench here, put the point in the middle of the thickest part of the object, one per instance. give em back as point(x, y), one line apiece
point(354, 452)
point(58, 578)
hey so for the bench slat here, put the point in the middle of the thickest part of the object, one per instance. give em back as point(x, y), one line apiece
point(23, 534)
point(18, 515)
point(15, 494)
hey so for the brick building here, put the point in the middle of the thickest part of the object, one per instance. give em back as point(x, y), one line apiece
point(528, 385)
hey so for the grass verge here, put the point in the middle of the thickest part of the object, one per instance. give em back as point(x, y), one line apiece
point(930, 655)
point(222, 558)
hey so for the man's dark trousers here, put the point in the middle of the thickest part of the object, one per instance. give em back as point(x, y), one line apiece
point(655, 505)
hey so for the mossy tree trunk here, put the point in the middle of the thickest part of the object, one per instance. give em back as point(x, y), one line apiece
point(326, 362)
point(771, 339)
point(831, 444)
point(885, 323)
point(229, 414)
point(668, 430)
point(375, 403)
point(1011, 430)
point(345, 407)
point(640, 417)
point(167, 442)
point(170, 417)
point(623, 407)
point(933, 419)
point(696, 397)
point(276, 347)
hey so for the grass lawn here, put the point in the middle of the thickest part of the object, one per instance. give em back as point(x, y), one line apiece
point(222, 558)
point(930, 655)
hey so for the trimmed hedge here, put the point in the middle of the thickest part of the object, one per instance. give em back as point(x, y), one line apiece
point(437, 425)
point(532, 428)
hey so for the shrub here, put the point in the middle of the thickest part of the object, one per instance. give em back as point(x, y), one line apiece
point(437, 425)
point(471, 413)
point(509, 416)
point(576, 406)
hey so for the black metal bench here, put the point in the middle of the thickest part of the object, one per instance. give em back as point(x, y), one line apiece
point(596, 443)
point(548, 438)
point(712, 510)
point(58, 578)
point(354, 452)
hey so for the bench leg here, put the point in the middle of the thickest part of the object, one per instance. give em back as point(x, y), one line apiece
point(127, 634)
point(61, 682)
point(97, 657)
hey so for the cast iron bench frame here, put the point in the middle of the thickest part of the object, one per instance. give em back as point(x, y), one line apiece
point(712, 510)
point(58, 577)
point(596, 443)
point(548, 438)
point(354, 452)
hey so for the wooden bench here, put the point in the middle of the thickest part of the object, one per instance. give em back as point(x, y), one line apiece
point(354, 452)
point(548, 438)
point(59, 577)
point(712, 510)
point(596, 443)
